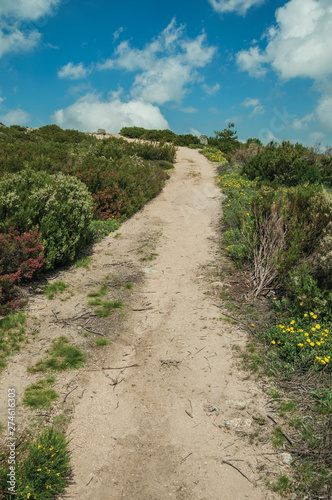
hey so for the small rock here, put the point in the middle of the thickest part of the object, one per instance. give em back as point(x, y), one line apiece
point(203, 140)
point(146, 270)
point(101, 131)
point(287, 458)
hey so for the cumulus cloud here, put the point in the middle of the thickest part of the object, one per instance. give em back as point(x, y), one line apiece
point(298, 45)
point(73, 71)
point(13, 14)
point(254, 103)
point(23, 9)
point(302, 123)
point(250, 102)
point(165, 67)
point(238, 6)
point(324, 112)
point(252, 61)
point(92, 112)
point(15, 117)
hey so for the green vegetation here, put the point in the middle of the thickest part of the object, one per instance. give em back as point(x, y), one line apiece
point(278, 231)
point(101, 228)
point(102, 342)
point(83, 262)
point(40, 394)
point(11, 335)
point(106, 306)
point(128, 286)
point(103, 290)
point(52, 290)
point(160, 136)
point(42, 467)
point(63, 356)
point(62, 189)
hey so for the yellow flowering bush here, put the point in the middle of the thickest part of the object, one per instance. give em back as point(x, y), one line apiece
point(214, 154)
point(42, 470)
point(305, 341)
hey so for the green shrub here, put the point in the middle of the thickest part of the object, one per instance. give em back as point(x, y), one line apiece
point(42, 468)
point(59, 206)
point(63, 356)
point(285, 164)
point(40, 394)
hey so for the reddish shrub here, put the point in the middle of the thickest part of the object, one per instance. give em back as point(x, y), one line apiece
point(20, 257)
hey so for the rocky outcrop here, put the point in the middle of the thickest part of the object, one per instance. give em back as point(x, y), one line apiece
point(203, 140)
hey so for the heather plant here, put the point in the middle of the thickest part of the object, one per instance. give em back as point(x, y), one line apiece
point(59, 206)
point(21, 256)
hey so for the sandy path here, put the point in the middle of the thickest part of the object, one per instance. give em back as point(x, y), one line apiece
point(154, 436)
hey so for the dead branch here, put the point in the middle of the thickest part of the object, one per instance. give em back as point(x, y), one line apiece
point(236, 468)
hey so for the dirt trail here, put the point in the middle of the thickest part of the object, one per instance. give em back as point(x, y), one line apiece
point(161, 432)
point(164, 429)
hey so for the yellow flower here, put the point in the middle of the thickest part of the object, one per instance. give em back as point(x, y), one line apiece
point(38, 470)
point(292, 322)
point(312, 344)
point(305, 315)
point(301, 303)
point(317, 327)
point(273, 342)
point(326, 360)
point(252, 324)
point(28, 495)
point(300, 345)
point(306, 334)
point(315, 316)
point(313, 328)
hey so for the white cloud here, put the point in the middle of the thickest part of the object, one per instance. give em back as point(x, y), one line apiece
point(14, 40)
point(211, 89)
point(324, 112)
point(316, 136)
point(117, 33)
point(15, 117)
point(73, 71)
point(302, 123)
point(250, 102)
point(258, 110)
point(13, 13)
point(298, 45)
point(27, 9)
point(194, 131)
point(92, 112)
point(166, 66)
point(238, 6)
point(252, 60)
point(189, 109)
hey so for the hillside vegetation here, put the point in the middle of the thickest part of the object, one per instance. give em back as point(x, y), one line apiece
point(61, 189)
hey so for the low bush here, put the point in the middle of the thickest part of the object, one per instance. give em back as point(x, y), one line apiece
point(42, 468)
point(58, 206)
point(20, 257)
point(285, 164)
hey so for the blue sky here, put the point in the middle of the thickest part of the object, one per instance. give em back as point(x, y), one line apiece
point(265, 65)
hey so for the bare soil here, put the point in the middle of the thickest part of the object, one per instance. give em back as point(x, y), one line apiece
point(175, 417)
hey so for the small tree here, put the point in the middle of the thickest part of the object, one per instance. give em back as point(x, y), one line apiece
point(227, 139)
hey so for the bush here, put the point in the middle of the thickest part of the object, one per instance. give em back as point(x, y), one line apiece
point(42, 468)
point(59, 206)
point(285, 164)
point(20, 257)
